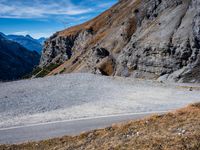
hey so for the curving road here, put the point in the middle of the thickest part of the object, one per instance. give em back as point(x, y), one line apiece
point(43, 131)
point(38, 109)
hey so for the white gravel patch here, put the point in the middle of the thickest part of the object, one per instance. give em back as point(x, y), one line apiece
point(72, 96)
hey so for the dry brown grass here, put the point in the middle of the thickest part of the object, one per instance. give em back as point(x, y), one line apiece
point(108, 19)
point(178, 130)
point(97, 38)
point(101, 27)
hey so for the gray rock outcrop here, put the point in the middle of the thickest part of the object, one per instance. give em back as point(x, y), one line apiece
point(153, 39)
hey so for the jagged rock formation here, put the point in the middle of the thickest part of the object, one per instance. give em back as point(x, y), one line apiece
point(15, 60)
point(154, 39)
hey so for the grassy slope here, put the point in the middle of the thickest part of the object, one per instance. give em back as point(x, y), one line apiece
point(101, 26)
point(179, 130)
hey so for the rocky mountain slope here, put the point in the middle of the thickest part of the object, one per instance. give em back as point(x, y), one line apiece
point(153, 39)
point(15, 60)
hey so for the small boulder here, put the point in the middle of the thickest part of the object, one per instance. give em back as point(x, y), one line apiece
point(106, 66)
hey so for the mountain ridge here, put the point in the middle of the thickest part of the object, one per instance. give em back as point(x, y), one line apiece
point(15, 60)
point(135, 38)
point(26, 41)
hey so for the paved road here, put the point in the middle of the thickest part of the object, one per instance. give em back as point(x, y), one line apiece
point(57, 129)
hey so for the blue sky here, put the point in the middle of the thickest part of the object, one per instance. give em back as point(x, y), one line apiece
point(44, 17)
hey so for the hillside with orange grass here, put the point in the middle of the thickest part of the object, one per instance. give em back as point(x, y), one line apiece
point(178, 130)
point(151, 39)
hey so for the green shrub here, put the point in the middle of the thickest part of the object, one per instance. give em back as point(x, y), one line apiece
point(63, 70)
point(52, 66)
point(46, 70)
point(42, 73)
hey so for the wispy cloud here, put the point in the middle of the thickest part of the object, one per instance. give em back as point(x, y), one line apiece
point(44, 17)
point(35, 35)
point(48, 8)
point(20, 33)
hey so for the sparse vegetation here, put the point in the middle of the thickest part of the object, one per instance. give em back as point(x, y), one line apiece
point(62, 71)
point(34, 72)
point(52, 66)
point(177, 130)
point(42, 73)
point(38, 72)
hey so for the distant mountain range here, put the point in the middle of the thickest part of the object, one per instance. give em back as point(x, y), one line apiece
point(16, 60)
point(41, 40)
point(27, 41)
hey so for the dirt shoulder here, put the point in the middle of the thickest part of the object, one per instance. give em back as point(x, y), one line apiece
point(176, 130)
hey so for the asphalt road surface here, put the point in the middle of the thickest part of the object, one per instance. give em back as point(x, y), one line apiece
point(38, 132)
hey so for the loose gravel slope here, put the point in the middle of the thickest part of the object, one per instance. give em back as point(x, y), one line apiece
point(71, 96)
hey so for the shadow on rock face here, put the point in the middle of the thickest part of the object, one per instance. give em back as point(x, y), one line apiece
point(101, 52)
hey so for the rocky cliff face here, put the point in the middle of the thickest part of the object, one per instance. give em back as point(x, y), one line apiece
point(153, 39)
